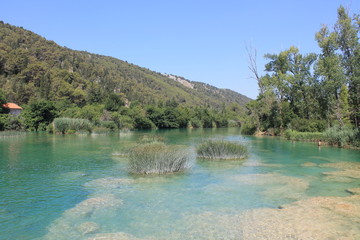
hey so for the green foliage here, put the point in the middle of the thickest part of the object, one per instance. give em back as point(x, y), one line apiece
point(4, 118)
point(71, 125)
point(114, 102)
point(307, 93)
point(151, 139)
point(39, 114)
point(340, 136)
point(221, 149)
point(14, 123)
point(141, 122)
point(158, 158)
point(303, 136)
point(34, 68)
point(2, 102)
point(306, 125)
point(110, 125)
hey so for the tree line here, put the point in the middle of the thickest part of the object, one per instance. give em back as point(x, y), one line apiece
point(310, 92)
point(115, 114)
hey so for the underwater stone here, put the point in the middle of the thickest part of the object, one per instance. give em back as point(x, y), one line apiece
point(87, 228)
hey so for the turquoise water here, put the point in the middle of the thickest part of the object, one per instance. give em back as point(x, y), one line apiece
point(77, 186)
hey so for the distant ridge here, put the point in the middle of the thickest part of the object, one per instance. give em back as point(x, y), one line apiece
point(33, 67)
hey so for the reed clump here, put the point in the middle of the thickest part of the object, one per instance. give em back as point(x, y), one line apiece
point(222, 150)
point(158, 158)
point(151, 139)
point(71, 125)
point(303, 136)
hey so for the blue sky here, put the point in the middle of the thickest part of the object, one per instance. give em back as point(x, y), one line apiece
point(199, 40)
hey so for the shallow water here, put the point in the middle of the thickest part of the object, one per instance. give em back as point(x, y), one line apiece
point(77, 187)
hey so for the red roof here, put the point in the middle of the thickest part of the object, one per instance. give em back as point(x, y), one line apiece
point(12, 106)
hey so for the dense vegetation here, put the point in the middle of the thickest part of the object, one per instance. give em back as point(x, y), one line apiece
point(222, 150)
point(311, 92)
point(158, 158)
point(50, 81)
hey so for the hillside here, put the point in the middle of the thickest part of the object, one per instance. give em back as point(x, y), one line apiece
point(33, 67)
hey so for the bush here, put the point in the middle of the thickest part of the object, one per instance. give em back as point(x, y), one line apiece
point(141, 122)
point(307, 136)
point(248, 129)
point(4, 118)
point(195, 123)
point(158, 158)
point(11, 123)
point(221, 149)
point(71, 125)
point(306, 125)
point(340, 136)
point(110, 125)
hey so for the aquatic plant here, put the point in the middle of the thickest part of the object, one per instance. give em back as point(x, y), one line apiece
point(221, 149)
point(158, 158)
point(71, 125)
point(337, 135)
point(151, 138)
point(304, 136)
point(11, 133)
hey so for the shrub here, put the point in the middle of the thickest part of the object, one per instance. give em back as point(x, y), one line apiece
point(306, 125)
point(141, 122)
point(248, 129)
point(69, 125)
point(307, 136)
point(233, 123)
point(4, 118)
point(14, 123)
point(158, 158)
point(340, 136)
point(110, 125)
point(221, 149)
point(195, 123)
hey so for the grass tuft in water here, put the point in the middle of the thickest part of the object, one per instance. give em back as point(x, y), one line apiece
point(158, 158)
point(222, 150)
point(12, 133)
point(151, 139)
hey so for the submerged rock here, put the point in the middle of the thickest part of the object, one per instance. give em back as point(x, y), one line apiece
point(349, 172)
point(113, 236)
point(109, 182)
point(259, 164)
point(88, 228)
point(355, 191)
point(278, 185)
point(67, 226)
point(309, 164)
point(342, 165)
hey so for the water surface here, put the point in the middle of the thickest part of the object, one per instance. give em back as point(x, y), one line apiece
point(78, 187)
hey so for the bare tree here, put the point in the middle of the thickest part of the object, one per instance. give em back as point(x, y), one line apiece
point(252, 55)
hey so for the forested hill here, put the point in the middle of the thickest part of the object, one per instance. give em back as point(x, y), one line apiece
point(33, 67)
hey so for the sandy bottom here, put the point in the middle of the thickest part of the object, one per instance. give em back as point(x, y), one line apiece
point(276, 185)
point(307, 218)
point(347, 171)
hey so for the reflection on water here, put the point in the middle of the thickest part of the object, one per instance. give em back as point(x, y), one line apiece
point(76, 187)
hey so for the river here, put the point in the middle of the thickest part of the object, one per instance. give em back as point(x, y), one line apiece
point(78, 187)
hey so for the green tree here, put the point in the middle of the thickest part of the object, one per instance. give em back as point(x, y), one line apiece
point(348, 31)
point(114, 101)
point(39, 114)
point(2, 102)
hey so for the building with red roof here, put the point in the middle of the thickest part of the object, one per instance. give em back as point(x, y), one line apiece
point(14, 108)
